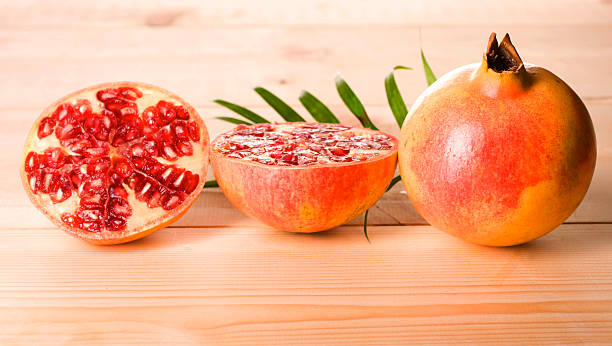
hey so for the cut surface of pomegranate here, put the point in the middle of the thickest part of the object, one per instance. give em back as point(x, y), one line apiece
point(115, 162)
point(302, 144)
point(303, 177)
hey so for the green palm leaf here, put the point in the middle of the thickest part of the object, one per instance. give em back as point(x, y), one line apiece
point(211, 183)
point(353, 103)
point(250, 115)
point(234, 120)
point(283, 109)
point(394, 181)
point(396, 102)
point(317, 109)
point(429, 75)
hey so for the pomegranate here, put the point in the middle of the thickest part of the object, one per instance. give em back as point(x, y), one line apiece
point(303, 177)
point(498, 153)
point(115, 162)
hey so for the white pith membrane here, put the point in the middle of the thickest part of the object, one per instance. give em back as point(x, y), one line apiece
point(142, 215)
point(302, 144)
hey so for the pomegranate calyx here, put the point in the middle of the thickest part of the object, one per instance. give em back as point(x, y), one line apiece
point(502, 57)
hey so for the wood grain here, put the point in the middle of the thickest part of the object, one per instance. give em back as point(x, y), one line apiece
point(260, 286)
point(216, 276)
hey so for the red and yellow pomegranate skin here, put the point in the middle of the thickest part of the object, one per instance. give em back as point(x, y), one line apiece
point(497, 158)
point(304, 199)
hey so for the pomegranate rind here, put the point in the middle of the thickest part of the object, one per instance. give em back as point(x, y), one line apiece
point(497, 159)
point(107, 237)
point(305, 199)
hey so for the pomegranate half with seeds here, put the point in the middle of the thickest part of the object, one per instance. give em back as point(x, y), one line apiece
point(115, 162)
point(303, 177)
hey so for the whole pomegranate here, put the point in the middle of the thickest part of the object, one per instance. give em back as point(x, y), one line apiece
point(303, 177)
point(115, 162)
point(497, 153)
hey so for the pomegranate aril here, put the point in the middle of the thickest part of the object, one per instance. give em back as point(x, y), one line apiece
point(119, 207)
point(115, 105)
point(90, 214)
point(95, 184)
point(116, 223)
point(138, 150)
point(93, 200)
point(341, 158)
point(304, 160)
point(96, 152)
point(106, 94)
point(180, 130)
point(190, 183)
point(166, 112)
point(31, 162)
point(151, 117)
point(185, 148)
point(75, 178)
point(47, 183)
point(180, 179)
point(170, 201)
point(128, 129)
point(54, 158)
point(61, 195)
point(118, 191)
point(130, 93)
point(46, 127)
point(98, 166)
point(150, 147)
point(67, 131)
point(316, 147)
point(153, 202)
point(181, 113)
point(128, 111)
point(139, 162)
point(82, 109)
point(329, 143)
point(62, 111)
point(339, 151)
point(194, 131)
point(289, 158)
point(169, 153)
point(100, 125)
point(78, 145)
point(122, 168)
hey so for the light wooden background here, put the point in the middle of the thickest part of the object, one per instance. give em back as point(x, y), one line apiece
point(218, 277)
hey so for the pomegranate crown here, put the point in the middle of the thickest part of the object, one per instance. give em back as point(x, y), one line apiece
point(502, 57)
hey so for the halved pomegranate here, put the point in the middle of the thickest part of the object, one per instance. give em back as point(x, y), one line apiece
point(115, 162)
point(303, 177)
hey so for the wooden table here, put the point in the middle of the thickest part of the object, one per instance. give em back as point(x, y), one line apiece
point(218, 277)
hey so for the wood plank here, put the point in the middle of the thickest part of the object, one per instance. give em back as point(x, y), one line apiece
point(259, 286)
point(117, 13)
point(207, 63)
point(212, 209)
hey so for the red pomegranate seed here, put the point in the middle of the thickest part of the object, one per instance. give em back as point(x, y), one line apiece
point(82, 109)
point(338, 151)
point(185, 148)
point(130, 93)
point(46, 127)
point(107, 94)
point(62, 111)
point(31, 162)
point(118, 191)
point(181, 113)
point(194, 131)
